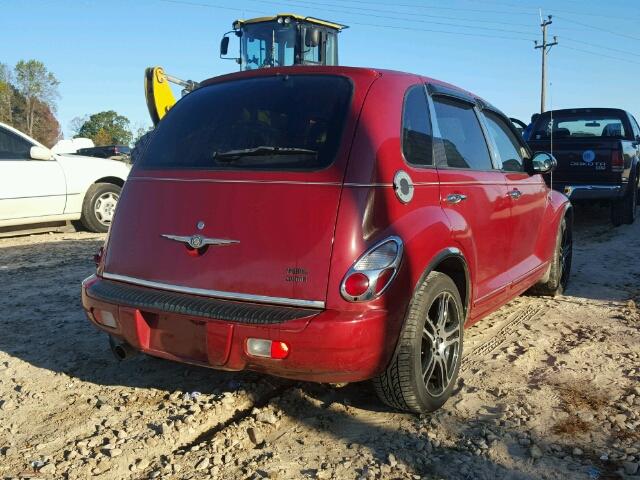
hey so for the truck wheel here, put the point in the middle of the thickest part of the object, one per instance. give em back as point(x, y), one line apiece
point(624, 211)
point(560, 268)
point(99, 206)
point(424, 369)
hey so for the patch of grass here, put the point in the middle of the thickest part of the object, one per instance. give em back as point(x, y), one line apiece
point(571, 425)
point(581, 396)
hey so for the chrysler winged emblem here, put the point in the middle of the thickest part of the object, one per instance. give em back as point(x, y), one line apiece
point(198, 241)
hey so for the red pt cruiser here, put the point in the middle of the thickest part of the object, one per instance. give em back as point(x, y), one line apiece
point(328, 224)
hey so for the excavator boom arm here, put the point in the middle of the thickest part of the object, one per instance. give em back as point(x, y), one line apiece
point(158, 92)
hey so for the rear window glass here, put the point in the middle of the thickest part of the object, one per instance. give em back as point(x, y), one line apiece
point(291, 122)
point(578, 125)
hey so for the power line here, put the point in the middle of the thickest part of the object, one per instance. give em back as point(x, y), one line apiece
point(573, 12)
point(416, 14)
point(395, 27)
point(360, 11)
point(456, 9)
point(598, 28)
point(626, 52)
point(601, 55)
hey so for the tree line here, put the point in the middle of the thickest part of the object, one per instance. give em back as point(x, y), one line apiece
point(28, 95)
point(28, 102)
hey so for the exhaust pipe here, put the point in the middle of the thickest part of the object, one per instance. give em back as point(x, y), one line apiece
point(121, 350)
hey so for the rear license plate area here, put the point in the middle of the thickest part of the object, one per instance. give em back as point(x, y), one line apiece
point(181, 337)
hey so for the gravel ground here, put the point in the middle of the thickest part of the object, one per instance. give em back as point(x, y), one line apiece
point(549, 389)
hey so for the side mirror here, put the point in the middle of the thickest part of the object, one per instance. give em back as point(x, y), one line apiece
point(224, 46)
point(542, 162)
point(312, 37)
point(40, 153)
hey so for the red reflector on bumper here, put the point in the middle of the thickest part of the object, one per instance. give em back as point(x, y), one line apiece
point(259, 347)
point(279, 350)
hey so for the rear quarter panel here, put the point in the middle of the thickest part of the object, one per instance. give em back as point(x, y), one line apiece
point(370, 210)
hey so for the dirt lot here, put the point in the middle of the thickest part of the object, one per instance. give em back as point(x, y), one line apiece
point(549, 389)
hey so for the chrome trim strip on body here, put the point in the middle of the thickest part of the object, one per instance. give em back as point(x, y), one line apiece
point(289, 302)
point(591, 188)
point(330, 184)
point(219, 180)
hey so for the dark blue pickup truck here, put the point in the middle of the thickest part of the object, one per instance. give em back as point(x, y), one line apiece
point(598, 154)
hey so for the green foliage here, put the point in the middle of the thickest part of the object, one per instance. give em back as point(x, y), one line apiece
point(34, 81)
point(27, 100)
point(6, 93)
point(38, 86)
point(106, 128)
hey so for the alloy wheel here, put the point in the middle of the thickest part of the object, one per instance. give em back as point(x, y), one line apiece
point(441, 342)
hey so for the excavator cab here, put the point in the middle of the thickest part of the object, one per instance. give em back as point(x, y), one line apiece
point(281, 40)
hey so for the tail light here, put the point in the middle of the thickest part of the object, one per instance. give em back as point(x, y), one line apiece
point(373, 272)
point(617, 161)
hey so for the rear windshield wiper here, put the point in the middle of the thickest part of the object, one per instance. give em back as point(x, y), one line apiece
point(231, 155)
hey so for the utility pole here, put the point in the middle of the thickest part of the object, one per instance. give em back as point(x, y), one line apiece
point(544, 48)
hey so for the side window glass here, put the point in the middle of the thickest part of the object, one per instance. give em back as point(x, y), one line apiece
point(12, 147)
point(462, 137)
point(636, 128)
point(416, 128)
point(509, 148)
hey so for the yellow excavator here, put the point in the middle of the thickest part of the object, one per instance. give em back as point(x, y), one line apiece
point(281, 40)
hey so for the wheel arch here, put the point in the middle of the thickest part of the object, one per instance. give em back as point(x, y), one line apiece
point(114, 180)
point(452, 262)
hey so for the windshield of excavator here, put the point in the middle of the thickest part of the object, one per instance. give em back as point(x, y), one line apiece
point(268, 44)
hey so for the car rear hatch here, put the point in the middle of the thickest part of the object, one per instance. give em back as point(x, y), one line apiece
point(583, 161)
point(585, 142)
point(237, 193)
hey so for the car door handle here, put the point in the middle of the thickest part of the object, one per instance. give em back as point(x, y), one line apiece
point(454, 198)
point(515, 194)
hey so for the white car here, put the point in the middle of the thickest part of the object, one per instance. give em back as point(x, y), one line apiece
point(38, 187)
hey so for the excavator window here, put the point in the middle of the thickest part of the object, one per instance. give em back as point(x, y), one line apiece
point(268, 44)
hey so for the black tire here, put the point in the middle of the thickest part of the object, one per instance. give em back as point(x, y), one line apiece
point(560, 268)
point(625, 210)
point(99, 205)
point(405, 385)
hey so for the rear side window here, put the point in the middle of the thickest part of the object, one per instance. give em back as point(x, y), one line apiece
point(634, 125)
point(510, 151)
point(291, 122)
point(416, 128)
point(464, 142)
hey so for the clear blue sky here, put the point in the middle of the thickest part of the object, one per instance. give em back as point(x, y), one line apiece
point(99, 49)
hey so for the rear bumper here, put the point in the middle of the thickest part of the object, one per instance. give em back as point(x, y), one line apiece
point(590, 192)
point(325, 345)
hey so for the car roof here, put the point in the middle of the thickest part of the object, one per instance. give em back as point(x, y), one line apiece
point(438, 86)
point(586, 110)
point(330, 70)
